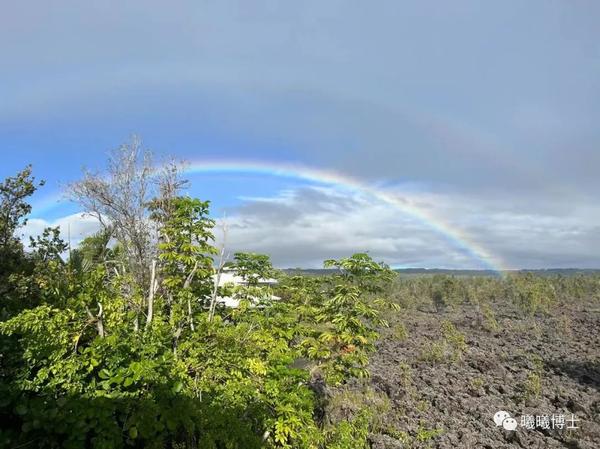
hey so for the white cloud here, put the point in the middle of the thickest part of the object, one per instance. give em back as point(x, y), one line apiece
point(73, 228)
point(305, 226)
point(302, 227)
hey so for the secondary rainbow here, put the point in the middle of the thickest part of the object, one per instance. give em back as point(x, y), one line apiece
point(328, 177)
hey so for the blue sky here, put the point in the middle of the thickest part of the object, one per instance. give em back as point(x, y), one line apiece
point(484, 114)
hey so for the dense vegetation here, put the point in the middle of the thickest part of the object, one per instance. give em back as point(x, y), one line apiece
point(120, 342)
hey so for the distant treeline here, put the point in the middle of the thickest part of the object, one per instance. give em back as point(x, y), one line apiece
point(449, 272)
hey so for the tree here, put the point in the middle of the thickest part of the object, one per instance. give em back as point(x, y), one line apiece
point(361, 270)
point(14, 208)
point(252, 267)
point(118, 200)
point(13, 205)
point(185, 257)
point(95, 250)
point(14, 265)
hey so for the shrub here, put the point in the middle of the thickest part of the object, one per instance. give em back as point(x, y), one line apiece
point(532, 386)
point(434, 352)
point(454, 338)
point(400, 333)
point(490, 322)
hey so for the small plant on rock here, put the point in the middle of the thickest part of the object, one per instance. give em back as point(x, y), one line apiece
point(455, 339)
point(489, 319)
point(533, 386)
point(400, 333)
point(434, 352)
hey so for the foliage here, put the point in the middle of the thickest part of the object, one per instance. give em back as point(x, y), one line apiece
point(399, 332)
point(434, 352)
point(425, 434)
point(95, 250)
point(15, 266)
point(362, 271)
point(454, 338)
point(13, 206)
point(252, 267)
point(532, 387)
point(476, 383)
point(349, 313)
point(350, 434)
point(446, 291)
point(115, 354)
point(532, 294)
point(450, 346)
point(185, 262)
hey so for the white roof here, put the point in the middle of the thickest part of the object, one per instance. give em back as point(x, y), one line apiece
point(229, 277)
point(229, 301)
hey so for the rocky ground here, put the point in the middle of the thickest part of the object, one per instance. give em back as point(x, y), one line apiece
point(439, 385)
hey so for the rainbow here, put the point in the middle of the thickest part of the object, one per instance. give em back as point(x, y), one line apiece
point(454, 235)
point(332, 178)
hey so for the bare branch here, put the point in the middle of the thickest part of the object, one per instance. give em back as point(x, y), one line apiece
point(219, 270)
point(151, 293)
point(118, 200)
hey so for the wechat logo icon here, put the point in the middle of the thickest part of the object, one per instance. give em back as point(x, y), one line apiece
point(504, 419)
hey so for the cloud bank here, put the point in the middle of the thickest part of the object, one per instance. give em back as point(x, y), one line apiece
point(302, 227)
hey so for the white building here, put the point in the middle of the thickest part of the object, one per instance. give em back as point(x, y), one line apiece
point(229, 278)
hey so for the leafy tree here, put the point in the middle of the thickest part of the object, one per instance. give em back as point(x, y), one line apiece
point(349, 315)
point(361, 270)
point(532, 294)
point(446, 291)
point(185, 258)
point(94, 250)
point(14, 208)
point(252, 267)
point(15, 266)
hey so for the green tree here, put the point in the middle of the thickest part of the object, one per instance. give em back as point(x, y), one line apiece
point(361, 270)
point(252, 267)
point(349, 314)
point(185, 252)
point(14, 264)
point(14, 208)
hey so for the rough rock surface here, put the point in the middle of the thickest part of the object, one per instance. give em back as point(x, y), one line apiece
point(546, 365)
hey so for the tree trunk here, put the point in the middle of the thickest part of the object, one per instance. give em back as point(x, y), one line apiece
point(151, 293)
point(186, 286)
point(213, 300)
point(100, 327)
point(97, 319)
point(191, 317)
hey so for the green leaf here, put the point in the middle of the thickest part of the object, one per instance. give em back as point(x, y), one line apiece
point(118, 379)
point(177, 387)
point(133, 432)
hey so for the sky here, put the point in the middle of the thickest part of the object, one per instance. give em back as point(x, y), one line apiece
point(457, 134)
